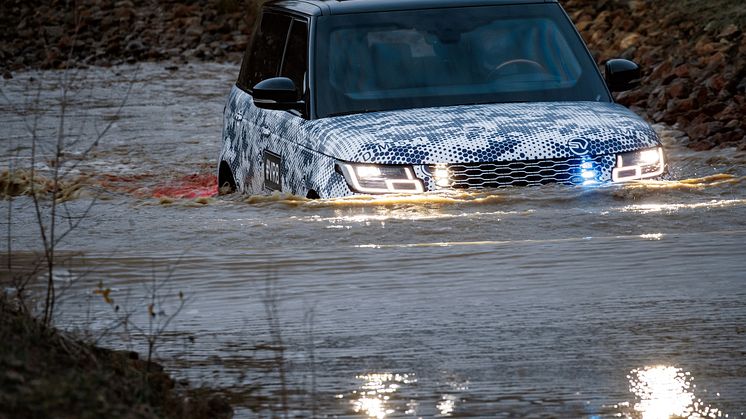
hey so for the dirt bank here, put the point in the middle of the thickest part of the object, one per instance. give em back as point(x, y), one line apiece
point(693, 52)
point(46, 373)
point(54, 33)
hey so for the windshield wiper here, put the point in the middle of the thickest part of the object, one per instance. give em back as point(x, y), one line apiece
point(351, 112)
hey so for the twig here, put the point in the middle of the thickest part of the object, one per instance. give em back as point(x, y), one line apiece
point(273, 318)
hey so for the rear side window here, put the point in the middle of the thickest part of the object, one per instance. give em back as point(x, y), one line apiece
point(263, 58)
point(296, 56)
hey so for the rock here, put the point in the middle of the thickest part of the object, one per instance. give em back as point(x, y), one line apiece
point(54, 32)
point(629, 41)
point(716, 83)
point(123, 14)
point(704, 130)
point(712, 108)
point(584, 25)
point(741, 87)
point(733, 124)
point(729, 32)
point(701, 145)
point(728, 138)
point(678, 89)
point(183, 10)
point(135, 46)
point(7, 75)
point(14, 376)
point(661, 70)
point(730, 112)
point(681, 71)
point(700, 95)
point(681, 106)
point(194, 30)
point(714, 61)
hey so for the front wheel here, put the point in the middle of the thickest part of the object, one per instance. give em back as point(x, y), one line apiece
point(226, 182)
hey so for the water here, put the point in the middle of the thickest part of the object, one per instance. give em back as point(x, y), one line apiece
point(532, 302)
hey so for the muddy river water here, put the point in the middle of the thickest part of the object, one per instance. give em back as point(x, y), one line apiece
point(613, 301)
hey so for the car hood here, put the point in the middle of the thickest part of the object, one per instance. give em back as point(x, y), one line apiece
point(482, 133)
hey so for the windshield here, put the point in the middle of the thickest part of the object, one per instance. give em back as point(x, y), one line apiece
point(409, 59)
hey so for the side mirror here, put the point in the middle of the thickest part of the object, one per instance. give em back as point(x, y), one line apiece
point(622, 75)
point(278, 93)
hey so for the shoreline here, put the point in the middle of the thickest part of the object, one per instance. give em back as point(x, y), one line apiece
point(46, 372)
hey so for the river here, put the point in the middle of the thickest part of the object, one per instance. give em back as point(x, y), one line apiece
point(612, 301)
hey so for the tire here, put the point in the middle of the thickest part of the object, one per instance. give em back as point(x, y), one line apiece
point(226, 182)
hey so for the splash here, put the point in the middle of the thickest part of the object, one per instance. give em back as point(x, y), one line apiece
point(193, 186)
point(197, 186)
point(25, 182)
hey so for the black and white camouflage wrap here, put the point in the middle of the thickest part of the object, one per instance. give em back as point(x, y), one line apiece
point(420, 137)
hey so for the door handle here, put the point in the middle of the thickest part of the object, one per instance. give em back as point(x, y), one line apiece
point(265, 131)
point(238, 116)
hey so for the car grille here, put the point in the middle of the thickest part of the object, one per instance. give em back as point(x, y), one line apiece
point(529, 173)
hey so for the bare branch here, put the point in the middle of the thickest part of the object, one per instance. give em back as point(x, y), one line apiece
point(78, 220)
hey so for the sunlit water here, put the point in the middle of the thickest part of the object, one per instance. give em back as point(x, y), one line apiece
point(612, 301)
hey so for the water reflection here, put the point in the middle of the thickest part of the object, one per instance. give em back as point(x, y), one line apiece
point(446, 405)
point(663, 392)
point(652, 236)
point(671, 208)
point(373, 398)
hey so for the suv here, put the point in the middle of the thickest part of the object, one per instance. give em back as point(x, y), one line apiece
point(343, 97)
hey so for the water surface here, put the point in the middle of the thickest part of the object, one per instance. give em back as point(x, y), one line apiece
point(624, 300)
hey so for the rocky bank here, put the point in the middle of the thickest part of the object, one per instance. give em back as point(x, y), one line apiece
point(693, 53)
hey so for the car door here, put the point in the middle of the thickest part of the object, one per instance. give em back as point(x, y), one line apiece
point(256, 137)
point(290, 154)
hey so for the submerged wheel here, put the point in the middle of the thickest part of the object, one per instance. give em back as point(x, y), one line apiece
point(312, 195)
point(226, 182)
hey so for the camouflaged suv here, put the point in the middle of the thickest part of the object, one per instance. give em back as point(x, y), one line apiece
point(336, 98)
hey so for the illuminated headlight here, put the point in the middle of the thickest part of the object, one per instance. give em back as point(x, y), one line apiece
point(638, 164)
point(370, 178)
point(441, 175)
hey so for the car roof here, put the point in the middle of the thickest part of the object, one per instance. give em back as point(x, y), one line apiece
point(332, 7)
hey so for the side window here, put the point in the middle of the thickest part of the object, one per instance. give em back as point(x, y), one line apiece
point(296, 56)
point(262, 60)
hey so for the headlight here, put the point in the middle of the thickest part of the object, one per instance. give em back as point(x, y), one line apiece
point(440, 174)
point(374, 178)
point(638, 164)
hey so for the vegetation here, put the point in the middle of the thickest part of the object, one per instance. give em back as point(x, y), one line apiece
point(46, 373)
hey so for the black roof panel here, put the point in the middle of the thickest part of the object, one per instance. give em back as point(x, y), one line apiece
point(326, 7)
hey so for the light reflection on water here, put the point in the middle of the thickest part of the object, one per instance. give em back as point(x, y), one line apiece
point(651, 208)
point(662, 392)
point(659, 392)
point(380, 396)
point(373, 397)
